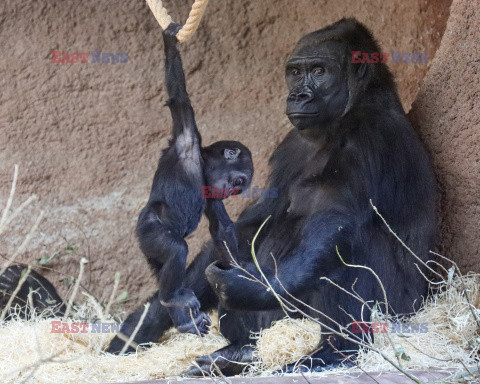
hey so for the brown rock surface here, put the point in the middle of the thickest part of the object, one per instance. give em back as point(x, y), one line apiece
point(87, 136)
point(446, 113)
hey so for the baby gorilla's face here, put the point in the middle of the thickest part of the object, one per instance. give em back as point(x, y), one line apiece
point(228, 168)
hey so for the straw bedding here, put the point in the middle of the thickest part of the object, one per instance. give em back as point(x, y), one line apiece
point(30, 351)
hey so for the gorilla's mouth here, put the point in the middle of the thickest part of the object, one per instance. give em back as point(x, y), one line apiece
point(233, 190)
point(303, 114)
point(236, 185)
point(229, 189)
point(304, 120)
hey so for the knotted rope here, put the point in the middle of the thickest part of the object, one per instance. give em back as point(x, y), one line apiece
point(191, 25)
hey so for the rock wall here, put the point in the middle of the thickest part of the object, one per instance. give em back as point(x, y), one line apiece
point(446, 113)
point(87, 137)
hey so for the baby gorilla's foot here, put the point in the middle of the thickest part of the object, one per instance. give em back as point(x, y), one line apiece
point(182, 319)
point(183, 298)
point(184, 306)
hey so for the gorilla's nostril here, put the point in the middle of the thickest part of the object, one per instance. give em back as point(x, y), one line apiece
point(303, 96)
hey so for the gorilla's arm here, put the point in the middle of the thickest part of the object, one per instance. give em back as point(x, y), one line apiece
point(223, 232)
point(314, 257)
point(181, 109)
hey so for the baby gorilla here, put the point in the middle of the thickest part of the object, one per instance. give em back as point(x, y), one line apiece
point(176, 203)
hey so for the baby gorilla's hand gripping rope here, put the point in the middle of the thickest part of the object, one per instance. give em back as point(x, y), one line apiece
point(191, 25)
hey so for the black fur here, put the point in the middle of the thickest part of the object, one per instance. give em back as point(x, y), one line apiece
point(352, 143)
point(355, 145)
point(176, 204)
point(45, 299)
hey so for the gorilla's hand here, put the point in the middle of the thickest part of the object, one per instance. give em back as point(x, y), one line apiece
point(170, 34)
point(239, 290)
point(223, 281)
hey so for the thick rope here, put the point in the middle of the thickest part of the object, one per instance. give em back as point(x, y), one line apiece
point(191, 25)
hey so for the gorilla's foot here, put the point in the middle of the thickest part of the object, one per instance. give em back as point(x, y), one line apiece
point(230, 360)
point(298, 367)
point(184, 324)
point(316, 363)
point(116, 346)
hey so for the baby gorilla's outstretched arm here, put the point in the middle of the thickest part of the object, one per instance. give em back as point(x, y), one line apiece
point(223, 233)
point(179, 103)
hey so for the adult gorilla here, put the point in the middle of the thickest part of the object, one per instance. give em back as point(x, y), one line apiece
point(352, 143)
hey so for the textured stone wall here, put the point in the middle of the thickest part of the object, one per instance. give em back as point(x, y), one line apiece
point(446, 113)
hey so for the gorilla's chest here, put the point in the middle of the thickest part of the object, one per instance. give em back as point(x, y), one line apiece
point(310, 191)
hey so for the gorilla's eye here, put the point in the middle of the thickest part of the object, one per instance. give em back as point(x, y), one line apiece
point(293, 71)
point(318, 71)
point(231, 154)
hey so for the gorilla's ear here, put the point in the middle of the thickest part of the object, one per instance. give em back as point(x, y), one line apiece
point(231, 154)
point(361, 70)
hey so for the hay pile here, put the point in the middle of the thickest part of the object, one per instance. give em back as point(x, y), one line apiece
point(452, 337)
point(79, 359)
point(285, 342)
point(28, 350)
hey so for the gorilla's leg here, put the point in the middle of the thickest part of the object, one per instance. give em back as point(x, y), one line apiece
point(237, 327)
point(45, 299)
point(332, 353)
point(231, 360)
point(167, 252)
point(333, 350)
point(403, 297)
point(157, 320)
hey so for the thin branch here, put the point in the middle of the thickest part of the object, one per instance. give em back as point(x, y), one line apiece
point(402, 242)
point(16, 212)
point(83, 261)
point(22, 279)
point(224, 378)
point(137, 328)
point(10, 197)
point(353, 338)
point(112, 295)
point(24, 244)
point(282, 305)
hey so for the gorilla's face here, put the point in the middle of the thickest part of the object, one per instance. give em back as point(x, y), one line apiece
point(316, 76)
point(228, 166)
